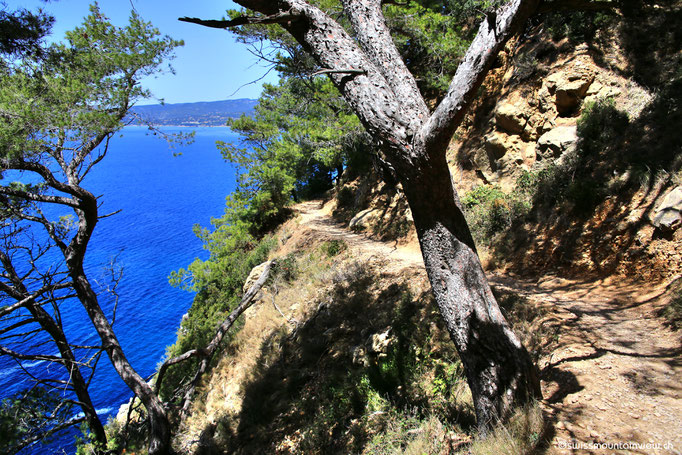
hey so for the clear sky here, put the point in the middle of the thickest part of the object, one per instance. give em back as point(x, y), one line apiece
point(211, 66)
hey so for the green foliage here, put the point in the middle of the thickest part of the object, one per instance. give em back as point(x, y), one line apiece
point(673, 310)
point(333, 248)
point(482, 195)
point(577, 26)
point(301, 134)
point(345, 197)
point(82, 89)
point(30, 414)
point(22, 32)
point(601, 126)
point(286, 268)
point(432, 38)
point(217, 281)
point(491, 211)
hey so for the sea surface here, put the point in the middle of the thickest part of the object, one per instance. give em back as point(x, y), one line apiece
point(161, 196)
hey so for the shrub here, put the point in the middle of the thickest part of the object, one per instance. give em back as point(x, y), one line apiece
point(490, 211)
point(673, 310)
point(333, 248)
point(600, 127)
point(345, 197)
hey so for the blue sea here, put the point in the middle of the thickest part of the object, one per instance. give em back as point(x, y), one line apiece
point(161, 196)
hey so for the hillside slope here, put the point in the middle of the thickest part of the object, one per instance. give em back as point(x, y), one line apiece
point(611, 371)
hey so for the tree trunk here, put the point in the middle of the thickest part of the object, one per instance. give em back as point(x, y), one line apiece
point(499, 370)
point(159, 431)
point(159, 426)
point(370, 73)
point(78, 383)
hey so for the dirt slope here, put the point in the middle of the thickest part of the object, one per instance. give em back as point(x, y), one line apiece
point(615, 373)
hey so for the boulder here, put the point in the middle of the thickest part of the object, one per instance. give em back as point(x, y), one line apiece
point(512, 118)
point(496, 145)
point(668, 215)
point(381, 342)
point(557, 141)
point(569, 91)
point(360, 357)
point(364, 220)
point(255, 273)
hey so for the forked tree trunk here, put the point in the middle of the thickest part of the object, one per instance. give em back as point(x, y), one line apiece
point(499, 370)
point(370, 73)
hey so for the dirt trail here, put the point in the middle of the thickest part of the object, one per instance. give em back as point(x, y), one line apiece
point(615, 376)
point(317, 217)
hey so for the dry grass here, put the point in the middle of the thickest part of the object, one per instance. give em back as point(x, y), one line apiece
point(521, 435)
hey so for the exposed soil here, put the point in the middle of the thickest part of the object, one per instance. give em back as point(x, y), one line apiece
point(614, 374)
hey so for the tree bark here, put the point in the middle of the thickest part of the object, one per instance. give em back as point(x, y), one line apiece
point(385, 98)
point(159, 426)
point(499, 370)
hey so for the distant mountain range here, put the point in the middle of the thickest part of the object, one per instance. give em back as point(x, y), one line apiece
point(207, 113)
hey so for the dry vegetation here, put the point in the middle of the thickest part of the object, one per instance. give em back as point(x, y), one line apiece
point(343, 354)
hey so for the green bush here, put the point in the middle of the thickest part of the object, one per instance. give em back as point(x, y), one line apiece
point(600, 127)
point(673, 310)
point(286, 268)
point(333, 248)
point(218, 285)
point(345, 197)
point(577, 26)
point(491, 211)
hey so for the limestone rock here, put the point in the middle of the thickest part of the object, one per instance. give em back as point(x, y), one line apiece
point(557, 141)
point(511, 117)
point(255, 273)
point(360, 356)
point(569, 92)
point(496, 145)
point(364, 219)
point(381, 342)
point(668, 215)
point(568, 86)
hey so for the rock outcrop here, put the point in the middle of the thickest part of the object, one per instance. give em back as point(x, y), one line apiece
point(668, 215)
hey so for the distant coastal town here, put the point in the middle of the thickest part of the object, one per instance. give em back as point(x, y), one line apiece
point(208, 113)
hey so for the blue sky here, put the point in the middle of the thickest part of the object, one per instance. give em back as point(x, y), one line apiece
point(211, 66)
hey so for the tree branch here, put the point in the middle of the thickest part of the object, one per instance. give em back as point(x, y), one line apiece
point(490, 39)
point(339, 71)
point(22, 165)
point(278, 18)
point(27, 195)
point(20, 356)
point(23, 301)
point(374, 37)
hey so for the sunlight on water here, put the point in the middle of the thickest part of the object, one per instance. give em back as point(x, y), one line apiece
point(161, 197)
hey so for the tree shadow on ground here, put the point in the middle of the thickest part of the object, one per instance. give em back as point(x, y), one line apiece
point(324, 388)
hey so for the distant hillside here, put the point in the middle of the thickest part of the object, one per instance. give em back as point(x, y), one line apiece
point(208, 113)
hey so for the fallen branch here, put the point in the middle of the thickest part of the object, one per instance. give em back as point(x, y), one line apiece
point(206, 354)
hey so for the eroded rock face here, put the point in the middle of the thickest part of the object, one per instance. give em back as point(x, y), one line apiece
point(668, 215)
point(569, 92)
point(568, 86)
point(557, 141)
